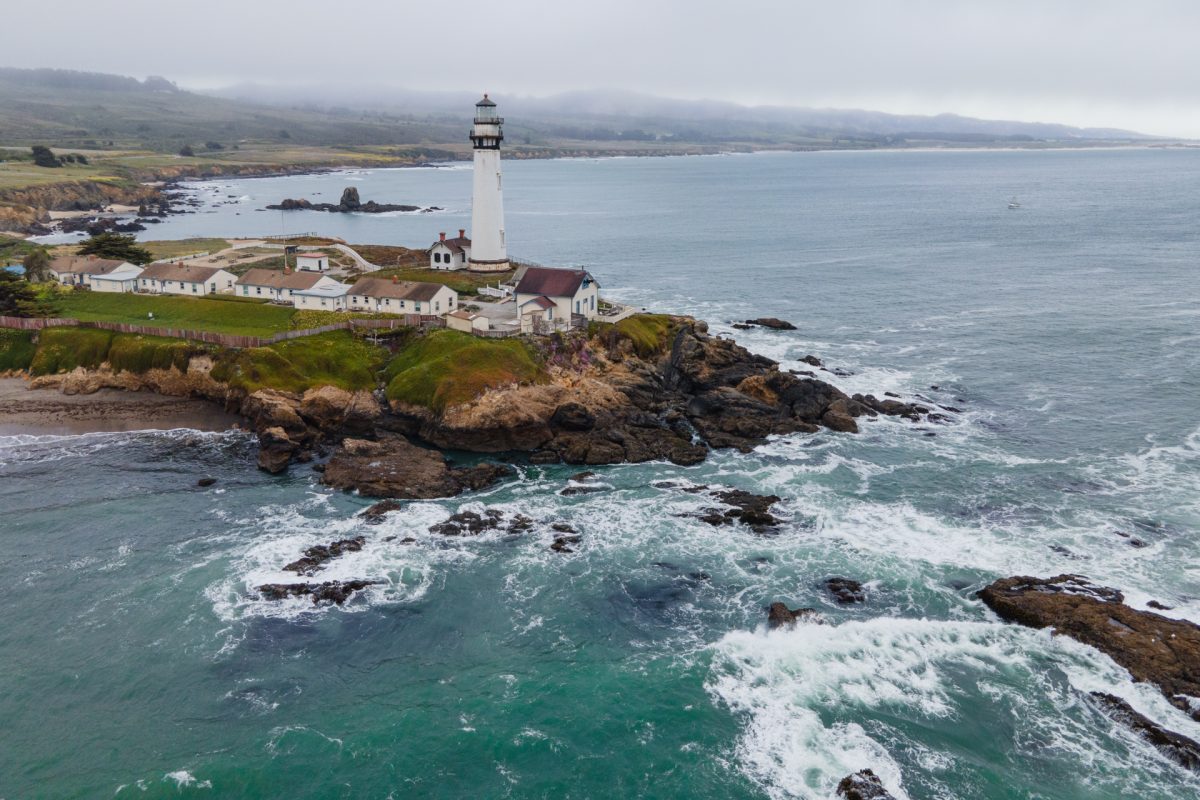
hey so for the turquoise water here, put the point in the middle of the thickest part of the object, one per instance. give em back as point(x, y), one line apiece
point(137, 663)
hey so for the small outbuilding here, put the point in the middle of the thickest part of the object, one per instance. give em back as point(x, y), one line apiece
point(450, 253)
point(467, 322)
point(312, 262)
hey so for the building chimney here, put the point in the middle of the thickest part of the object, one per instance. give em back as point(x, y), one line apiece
point(443, 235)
point(462, 233)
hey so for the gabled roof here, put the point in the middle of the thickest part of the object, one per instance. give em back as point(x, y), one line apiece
point(277, 279)
point(552, 282)
point(540, 301)
point(399, 290)
point(456, 244)
point(125, 272)
point(84, 265)
point(327, 290)
point(186, 273)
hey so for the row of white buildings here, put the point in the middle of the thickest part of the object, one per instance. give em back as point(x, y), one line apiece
point(306, 289)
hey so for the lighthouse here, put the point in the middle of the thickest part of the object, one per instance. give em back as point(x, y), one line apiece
point(489, 252)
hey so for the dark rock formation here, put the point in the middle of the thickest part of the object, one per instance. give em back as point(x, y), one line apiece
point(846, 591)
point(863, 785)
point(205, 482)
point(1174, 746)
point(748, 508)
point(377, 512)
point(275, 450)
point(315, 557)
point(780, 616)
point(329, 591)
point(394, 467)
point(773, 323)
point(1156, 649)
point(562, 544)
point(468, 523)
point(349, 203)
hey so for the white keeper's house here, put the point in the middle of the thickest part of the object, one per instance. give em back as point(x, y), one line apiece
point(323, 297)
point(279, 286)
point(450, 253)
point(171, 278)
point(560, 297)
point(401, 297)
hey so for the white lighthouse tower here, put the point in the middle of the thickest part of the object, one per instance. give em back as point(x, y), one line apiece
point(489, 253)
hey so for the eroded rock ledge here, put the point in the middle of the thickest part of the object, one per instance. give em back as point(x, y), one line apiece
point(1154, 648)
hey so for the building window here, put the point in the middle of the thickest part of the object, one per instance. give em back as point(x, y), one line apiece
point(437, 305)
point(258, 290)
point(193, 288)
point(322, 302)
point(593, 302)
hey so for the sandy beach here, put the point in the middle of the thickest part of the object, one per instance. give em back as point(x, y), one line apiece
point(47, 411)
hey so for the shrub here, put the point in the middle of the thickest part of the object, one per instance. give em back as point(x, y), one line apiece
point(447, 368)
point(143, 353)
point(16, 349)
point(329, 359)
point(647, 334)
point(64, 349)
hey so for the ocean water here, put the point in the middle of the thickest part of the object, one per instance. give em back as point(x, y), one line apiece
point(137, 661)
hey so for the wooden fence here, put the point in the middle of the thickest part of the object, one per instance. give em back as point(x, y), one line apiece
point(224, 339)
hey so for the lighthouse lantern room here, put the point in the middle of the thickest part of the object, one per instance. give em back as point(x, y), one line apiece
point(489, 252)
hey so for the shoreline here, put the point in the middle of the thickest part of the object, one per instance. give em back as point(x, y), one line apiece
point(25, 411)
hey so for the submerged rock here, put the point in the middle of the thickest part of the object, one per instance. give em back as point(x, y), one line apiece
point(746, 507)
point(469, 523)
point(316, 556)
point(780, 616)
point(206, 482)
point(330, 591)
point(377, 512)
point(1174, 746)
point(863, 785)
point(846, 591)
point(1154, 648)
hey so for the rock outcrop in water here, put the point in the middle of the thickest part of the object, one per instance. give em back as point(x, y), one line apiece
point(350, 203)
point(330, 591)
point(1178, 748)
point(863, 785)
point(315, 557)
point(780, 616)
point(1154, 648)
point(396, 468)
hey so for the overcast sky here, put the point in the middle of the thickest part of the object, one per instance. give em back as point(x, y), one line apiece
point(1132, 64)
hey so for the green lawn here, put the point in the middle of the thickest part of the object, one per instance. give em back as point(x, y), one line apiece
point(187, 313)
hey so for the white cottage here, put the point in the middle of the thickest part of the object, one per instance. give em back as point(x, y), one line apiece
point(450, 253)
point(279, 286)
point(402, 297)
point(171, 278)
point(561, 296)
point(323, 297)
point(122, 279)
point(79, 270)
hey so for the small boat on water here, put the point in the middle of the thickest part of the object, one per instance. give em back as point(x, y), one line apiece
point(1013, 203)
